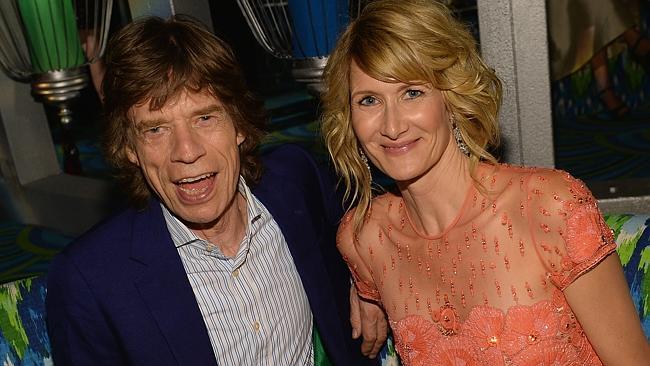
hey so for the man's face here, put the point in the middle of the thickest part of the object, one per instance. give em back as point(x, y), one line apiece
point(188, 152)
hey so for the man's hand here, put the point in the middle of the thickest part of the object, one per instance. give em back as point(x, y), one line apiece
point(368, 320)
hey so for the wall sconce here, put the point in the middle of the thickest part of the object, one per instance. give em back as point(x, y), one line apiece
point(304, 31)
point(50, 43)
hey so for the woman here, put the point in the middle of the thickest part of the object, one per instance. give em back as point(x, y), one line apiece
point(471, 260)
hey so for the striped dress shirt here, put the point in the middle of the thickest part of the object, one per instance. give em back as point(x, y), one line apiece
point(253, 304)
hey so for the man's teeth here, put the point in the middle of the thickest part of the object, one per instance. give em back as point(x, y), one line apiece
point(194, 179)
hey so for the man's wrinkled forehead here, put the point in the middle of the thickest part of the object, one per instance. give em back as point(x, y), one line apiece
point(156, 103)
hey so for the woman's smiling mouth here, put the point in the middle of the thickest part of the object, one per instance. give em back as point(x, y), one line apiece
point(399, 148)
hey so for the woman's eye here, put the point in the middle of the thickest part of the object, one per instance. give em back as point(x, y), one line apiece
point(368, 101)
point(413, 93)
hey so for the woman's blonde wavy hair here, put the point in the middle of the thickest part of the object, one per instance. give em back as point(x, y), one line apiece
point(409, 41)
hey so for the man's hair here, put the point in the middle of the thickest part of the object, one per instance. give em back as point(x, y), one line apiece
point(152, 61)
point(409, 41)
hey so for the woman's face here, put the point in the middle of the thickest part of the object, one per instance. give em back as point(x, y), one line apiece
point(403, 128)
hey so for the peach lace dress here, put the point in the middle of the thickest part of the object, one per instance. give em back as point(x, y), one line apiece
point(488, 289)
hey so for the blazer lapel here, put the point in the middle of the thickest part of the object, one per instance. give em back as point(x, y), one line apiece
point(164, 287)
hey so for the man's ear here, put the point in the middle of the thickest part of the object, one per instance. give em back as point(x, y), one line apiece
point(240, 138)
point(132, 156)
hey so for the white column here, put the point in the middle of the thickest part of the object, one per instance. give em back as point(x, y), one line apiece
point(26, 149)
point(33, 190)
point(30, 150)
point(514, 41)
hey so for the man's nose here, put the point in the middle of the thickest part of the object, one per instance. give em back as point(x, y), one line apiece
point(187, 145)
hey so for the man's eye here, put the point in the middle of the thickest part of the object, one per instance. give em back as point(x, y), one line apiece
point(413, 93)
point(368, 101)
point(152, 132)
point(205, 120)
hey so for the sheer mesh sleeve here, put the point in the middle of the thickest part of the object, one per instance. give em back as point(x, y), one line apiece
point(350, 248)
point(570, 234)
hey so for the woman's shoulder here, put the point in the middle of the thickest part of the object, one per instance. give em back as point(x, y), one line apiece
point(384, 208)
point(536, 180)
point(386, 200)
point(514, 171)
point(381, 207)
point(557, 188)
point(553, 193)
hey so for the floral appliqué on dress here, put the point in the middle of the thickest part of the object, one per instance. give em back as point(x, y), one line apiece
point(545, 333)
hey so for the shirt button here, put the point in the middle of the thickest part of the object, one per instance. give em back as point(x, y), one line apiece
point(256, 326)
point(235, 273)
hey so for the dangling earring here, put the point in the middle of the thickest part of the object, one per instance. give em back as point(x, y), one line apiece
point(364, 158)
point(462, 146)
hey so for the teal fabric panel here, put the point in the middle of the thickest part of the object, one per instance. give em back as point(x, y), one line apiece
point(633, 247)
point(27, 250)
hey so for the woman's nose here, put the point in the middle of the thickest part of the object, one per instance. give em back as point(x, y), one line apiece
point(393, 125)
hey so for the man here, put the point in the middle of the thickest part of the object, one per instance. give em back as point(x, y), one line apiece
point(201, 270)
